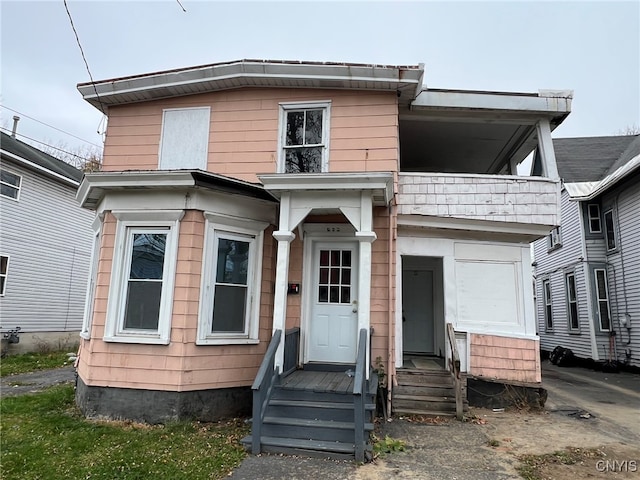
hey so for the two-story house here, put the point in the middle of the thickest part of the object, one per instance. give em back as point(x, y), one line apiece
point(45, 248)
point(281, 227)
point(588, 270)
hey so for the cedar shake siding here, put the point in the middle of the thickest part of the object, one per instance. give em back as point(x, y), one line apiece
point(243, 136)
point(504, 358)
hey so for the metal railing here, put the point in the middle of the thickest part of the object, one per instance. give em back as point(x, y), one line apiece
point(262, 387)
point(291, 350)
point(360, 389)
point(454, 368)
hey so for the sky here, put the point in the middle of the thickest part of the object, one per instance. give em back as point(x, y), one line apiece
point(592, 48)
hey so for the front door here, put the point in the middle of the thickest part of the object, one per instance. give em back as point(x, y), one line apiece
point(333, 330)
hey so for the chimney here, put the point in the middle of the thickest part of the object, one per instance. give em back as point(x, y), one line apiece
point(16, 119)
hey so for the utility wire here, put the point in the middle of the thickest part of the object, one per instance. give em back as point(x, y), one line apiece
point(50, 126)
point(86, 64)
point(183, 9)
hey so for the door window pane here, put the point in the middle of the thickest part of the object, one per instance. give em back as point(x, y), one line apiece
point(334, 284)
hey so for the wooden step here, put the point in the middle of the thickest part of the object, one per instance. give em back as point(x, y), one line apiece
point(322, 430)
point(336, 411)
point(425, 413)
point(433, 390)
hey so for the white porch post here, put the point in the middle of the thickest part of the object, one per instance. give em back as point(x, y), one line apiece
point(545, 147)
point(366, 236)
point(284, 236)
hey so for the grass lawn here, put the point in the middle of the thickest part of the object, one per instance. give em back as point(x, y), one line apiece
point(30, 362)
point(44, 436)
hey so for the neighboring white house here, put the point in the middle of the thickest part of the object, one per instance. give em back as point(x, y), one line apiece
point(45, 248)
point(588, 270)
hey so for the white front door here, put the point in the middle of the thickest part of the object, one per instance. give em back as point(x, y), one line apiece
point(333, 329)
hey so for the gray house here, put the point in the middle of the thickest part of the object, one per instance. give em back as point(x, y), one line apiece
point(46, 241)
point(587, 271)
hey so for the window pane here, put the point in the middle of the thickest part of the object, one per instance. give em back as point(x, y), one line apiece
point(611, 236)
point(605, 324)
point(324, 275)
point(313, 131)
point(303, 160)
point(335, 257)
point(2, 283)
point(8, 191)
point(3, 265)
point(147, 257)
point(323, 294)
point(335, 276)
point(295, 128)
point(594, 224)
point(574, 315)
point(346, 258)
point(142, 309)
point(346, 295)
point(601, 284)
point(346, 276)
point(10, 178)
point(233, 261)
point(229, 307)
point(324, 258)
point(572, 287)
point(549, 319)
point(334, 294)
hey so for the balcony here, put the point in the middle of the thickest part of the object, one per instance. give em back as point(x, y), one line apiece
point(477, 199)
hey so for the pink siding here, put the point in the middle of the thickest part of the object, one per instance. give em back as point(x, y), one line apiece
point(182, 365)
point(243, 138)
point(505, 358)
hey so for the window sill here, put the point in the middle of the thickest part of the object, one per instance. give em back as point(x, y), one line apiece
point(136, 339)
point(228, 341)
point(554, 248)
point(575, 332)
point(85, 335)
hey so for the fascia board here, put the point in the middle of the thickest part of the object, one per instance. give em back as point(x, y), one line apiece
point(580, 191)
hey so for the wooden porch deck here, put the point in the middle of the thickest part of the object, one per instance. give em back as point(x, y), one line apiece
point(321, 382)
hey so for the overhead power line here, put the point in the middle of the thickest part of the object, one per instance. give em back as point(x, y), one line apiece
point(50, 126)
point(86, 64)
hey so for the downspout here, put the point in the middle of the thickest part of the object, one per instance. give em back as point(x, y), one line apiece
point(391, 364)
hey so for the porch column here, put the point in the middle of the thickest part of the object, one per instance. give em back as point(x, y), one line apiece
point(284, 236)
point(545, 147)
point(366, 236)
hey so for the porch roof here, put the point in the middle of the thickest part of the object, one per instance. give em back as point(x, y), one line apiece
point(379, 183)
point(94, 186)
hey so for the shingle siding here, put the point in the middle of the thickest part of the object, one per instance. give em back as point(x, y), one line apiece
point(48, 239)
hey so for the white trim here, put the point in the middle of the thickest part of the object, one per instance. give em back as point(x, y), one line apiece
point(128, 221)
point(599, 299)
point(613, 229)
point(547, 299)
point(284, 107)
point(89, 302)
point(571, 274)
point(17, 187)
point(40, 168)
point(253, 233)
point(599, 217)
point(5, 275)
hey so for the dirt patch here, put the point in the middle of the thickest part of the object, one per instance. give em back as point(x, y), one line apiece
point(24, 383)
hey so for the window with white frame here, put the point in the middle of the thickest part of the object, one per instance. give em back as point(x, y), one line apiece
point(10, 184)
point(555, 239)
point(602, 297)
point(304, 137)
point(143, 276)
point(595, 225)
point(184, 143)
point(230, 293)
point(572, 301)
point(548, 307)
point(609, 226)
point(91, 286)
point(4, 272)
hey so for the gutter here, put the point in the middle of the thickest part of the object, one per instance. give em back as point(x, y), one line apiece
point(580, 191)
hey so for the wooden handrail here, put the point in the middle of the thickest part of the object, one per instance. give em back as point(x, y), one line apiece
point(359, 390)
point(454, 368)
point(262, 387)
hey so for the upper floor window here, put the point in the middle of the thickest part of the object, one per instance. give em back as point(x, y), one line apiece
point(184, 143)
point(555, 239)
point(595, 225)
point(142, 281)
point(304, 137)
point(609, 225)
point(548, 307)
point(572, 301)
point(4, 271)
point(10, 184)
